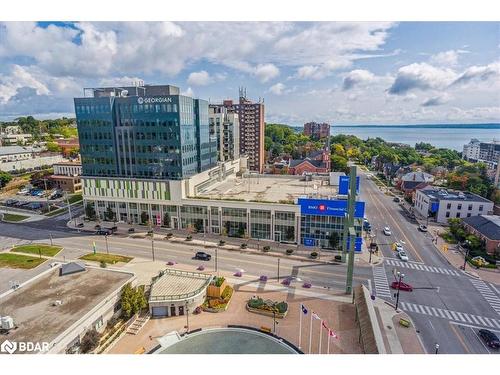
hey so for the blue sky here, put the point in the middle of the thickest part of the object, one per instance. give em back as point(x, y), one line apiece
point(342, 73)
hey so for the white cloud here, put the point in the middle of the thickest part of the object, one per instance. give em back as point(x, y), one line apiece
point(357, 77)
point(266, 72)
point(448, 58)
point(277, 89)
point(421, 76)
point(201, 78)
point(487, 73)
point(436, 100)
point(188, 92)
point(119, 81)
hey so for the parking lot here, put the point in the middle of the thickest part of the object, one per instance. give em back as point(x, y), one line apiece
point(34, 200)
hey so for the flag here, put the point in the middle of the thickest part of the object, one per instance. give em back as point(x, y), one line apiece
point(315, 316)
point(304, 310)
point(332, 334)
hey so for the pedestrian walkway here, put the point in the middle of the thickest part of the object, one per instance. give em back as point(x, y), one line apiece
point(451, 315)
point(488, 294)
point(381, 284)
point(422, 267)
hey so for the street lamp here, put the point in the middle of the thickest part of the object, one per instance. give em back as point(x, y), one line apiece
point(401, 277)
point(466, 255)
point(187, 316)
point(437, 348)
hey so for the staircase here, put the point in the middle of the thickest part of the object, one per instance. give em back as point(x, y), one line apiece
point(138, 323)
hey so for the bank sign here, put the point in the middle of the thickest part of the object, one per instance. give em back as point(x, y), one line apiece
point(329, 207)
point(344, 185)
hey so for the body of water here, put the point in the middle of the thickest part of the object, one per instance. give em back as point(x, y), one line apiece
point(445, 136)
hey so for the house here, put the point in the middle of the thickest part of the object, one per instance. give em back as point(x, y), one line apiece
point(315, 162)
point(411, 182)
point(486, 227)
point(389, 170)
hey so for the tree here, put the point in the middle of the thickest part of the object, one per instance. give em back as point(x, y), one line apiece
point(53, 147)
point(333, 240)
point(290, 233)
point(109, 214)
point(339, 164)
point(144, 217)
point(198, 225)
point(166, 220)
point(90, 211)
point(132, 300)
point(89, 341)
point(5, 178)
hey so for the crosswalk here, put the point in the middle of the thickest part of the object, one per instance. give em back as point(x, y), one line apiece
point(422, 267)
point(381, 283)
point(488, 294)
point(451, 315)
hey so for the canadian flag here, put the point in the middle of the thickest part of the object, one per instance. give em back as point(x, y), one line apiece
point(330, 332)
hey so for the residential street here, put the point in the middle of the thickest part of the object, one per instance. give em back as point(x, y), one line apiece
point(445, 303)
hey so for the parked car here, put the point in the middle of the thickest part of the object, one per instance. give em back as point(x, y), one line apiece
point(398, 247)
point(402, 255)
point(23, 192)
point(489, 338)
point(422, 228)
point(387, 231)
point(401, 286)
point(103, 232)
point(11, 202)
point(202, 256)
point(396, 199)
point(80, 225)
point(366, 225)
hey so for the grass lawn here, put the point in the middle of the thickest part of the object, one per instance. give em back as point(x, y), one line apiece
point(19, 261)
point(14, 217)
point(106, 258)
point(36, 249)
point(56, 212)
point(75, 198)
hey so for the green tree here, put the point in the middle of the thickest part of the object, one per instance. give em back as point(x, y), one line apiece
point(53, 147)
point(109, 214)
point(166, 220)
point(5, 178)
point(89, 211)
point(144, 217)
point(339, 164)
point(133, 300)
point(333, 240)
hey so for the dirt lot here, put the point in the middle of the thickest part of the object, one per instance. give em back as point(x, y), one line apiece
point(338, 315)
point(32, 310)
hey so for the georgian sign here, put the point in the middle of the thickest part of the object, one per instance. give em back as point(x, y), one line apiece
point(153, 100)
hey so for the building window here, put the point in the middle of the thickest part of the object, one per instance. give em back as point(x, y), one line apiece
point(459, 206)
point(447, 213)
point(470, 207)
point(448, 206)
point(481, 208)
point(469, 214)
point(458, 214)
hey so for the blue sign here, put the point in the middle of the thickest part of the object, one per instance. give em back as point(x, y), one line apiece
point(329, 207)
point(344, 185)
point(309, 241)
point(434, 206)
point(357, 243)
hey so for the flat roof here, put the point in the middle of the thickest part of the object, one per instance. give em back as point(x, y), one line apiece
point(488, 225)
point(450, 195)
point(269, 188)
point(175, 285)
point(32, 308)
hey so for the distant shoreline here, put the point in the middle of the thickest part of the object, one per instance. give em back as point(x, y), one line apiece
point(433, 126)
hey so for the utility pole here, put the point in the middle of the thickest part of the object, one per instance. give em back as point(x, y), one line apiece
point(349, 228)
point(106, 239)
point(278, 269)
point(153, 243)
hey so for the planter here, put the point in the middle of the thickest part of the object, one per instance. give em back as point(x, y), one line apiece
point(314, 255)
point(222, 243)
point(266, 249)
point(289, 251)
point(216, 291)
point(170, 263)
point(306, 285)
point(243, 245)
point(201, 268)
point(263, 278)
point(266, 312)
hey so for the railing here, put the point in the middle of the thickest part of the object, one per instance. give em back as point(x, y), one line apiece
point(175, 297)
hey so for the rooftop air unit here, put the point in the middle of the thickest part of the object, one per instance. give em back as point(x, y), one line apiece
point(7, 322)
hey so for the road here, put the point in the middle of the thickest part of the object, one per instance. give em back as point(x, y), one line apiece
point(446, 306)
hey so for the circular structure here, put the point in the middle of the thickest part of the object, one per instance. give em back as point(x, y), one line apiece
point(228, 341)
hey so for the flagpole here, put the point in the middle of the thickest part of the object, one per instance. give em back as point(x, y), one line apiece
point(300, 325)
point(310, 332)
point(328, 346)
point(320, 336)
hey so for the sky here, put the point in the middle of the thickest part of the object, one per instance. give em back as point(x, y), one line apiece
point(337, 72)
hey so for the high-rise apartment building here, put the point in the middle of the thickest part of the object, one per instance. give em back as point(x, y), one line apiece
point(485, 152)
point(316, 130)
point(149, 131)
point(251, 118)
point(225, 127)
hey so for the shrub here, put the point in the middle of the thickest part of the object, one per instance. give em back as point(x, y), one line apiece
point(282, 307)
point(255, 302)
point(266, 248)
point(244, 245)
point(103, 264)
point(227, 293)
point(289, 251)
point(222, 243)
point(338, 257)
point(314, 254)
point(189, 238)
point(90, 341)
point(218, 281)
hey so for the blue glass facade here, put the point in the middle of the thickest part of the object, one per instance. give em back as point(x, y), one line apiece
point(158, 137)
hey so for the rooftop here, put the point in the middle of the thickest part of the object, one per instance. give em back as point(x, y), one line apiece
point(32, 308)
point(9, 150)
point(268, 188)
point(452, 195)
point(175, 285)
point(487, 225)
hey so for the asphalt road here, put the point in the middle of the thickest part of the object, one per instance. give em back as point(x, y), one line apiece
point(442, 294)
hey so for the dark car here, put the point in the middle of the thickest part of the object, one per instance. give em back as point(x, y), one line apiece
point(489, 338)
point(396, 199)
point(131, 230)
point(202, 256)
point(80, 225)
point(401, 286)
point(103, 232)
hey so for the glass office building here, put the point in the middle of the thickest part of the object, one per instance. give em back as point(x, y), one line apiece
point(150, 132)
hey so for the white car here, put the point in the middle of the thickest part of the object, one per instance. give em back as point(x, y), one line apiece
point(399, 247)
point(387, 231)
point(402, 255)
